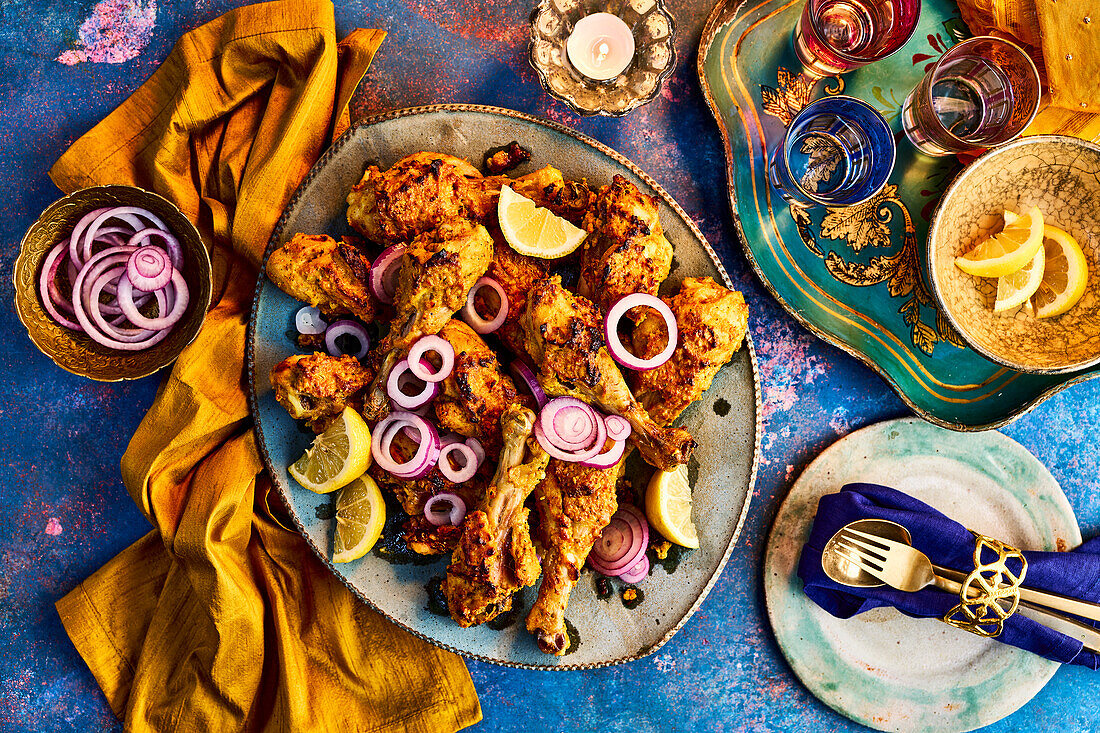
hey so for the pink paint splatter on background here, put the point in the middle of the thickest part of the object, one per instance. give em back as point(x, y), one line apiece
point(53, 527)
point(116, 31)
point(785, 364)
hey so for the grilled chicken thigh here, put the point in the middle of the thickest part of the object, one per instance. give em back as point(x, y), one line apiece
point(495, 556)
point(712, 322)
point(516, 274)
point(565, 337)
point(317, 387)
point(626, 250)
point(325, 273)
point(574, 504)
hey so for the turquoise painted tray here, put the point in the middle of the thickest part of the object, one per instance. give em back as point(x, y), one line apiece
point(855, 277)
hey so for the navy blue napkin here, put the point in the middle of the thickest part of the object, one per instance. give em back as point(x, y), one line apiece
point(949, 544)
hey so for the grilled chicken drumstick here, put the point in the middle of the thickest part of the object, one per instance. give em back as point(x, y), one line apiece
point(325, 273)
point(495, 557)
point(574, 504)
point(565, 338)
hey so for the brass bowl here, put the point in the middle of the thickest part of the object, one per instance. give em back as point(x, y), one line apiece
point(74, 351)
point(1060, 175)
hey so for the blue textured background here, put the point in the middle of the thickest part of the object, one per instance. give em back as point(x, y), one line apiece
point(60, 471)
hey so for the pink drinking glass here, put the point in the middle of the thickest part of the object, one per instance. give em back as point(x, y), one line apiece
point(836, 36)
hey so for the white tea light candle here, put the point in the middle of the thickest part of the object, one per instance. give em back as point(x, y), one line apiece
point(601, 46)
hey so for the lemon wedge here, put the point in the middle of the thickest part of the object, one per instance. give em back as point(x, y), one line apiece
point(668, 506)
point(1015, 288)
point(337, 456)
point(1007, 251)
point(360, 516)
point(532, 230)
point(1066, 274)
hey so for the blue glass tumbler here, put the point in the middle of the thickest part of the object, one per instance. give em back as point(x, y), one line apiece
point(838, 151)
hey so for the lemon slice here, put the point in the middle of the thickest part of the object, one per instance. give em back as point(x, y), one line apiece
point(360, 516)
point(1016, 287)
point(1065, 276)
point(1008, 250)
point(337, 456)
point(535, 231)
point(668, 506)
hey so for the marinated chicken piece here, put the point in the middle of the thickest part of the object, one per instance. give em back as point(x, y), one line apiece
point(437, 270)
point(327, 274)
point(516, 273)
point(565, 338)
point(712, 322)
point(506, 158)
point(574, 504)
point(317, 387)
point(626, 250)
point(495, 556)
point(418, 193)
point(476, 392)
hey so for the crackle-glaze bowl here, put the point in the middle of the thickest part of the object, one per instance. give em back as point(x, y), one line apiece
point(654, 58)
point(1060, 175)
point(73, 350)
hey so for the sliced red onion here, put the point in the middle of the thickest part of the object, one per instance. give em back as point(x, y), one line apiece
point(637, 573)
point(445, 508)
point(309, 322)
point(523, 374)
point(149, 268)
point(569, 423)
point(611, 331)
point(618, 427)
point(97, 308)
point(469, 463)
point(573, 457)
point(383, 273)
point(47, 286)
point(608, 458)
point(75, 237)
point(622, 543)
point(126, 301)
point(394, 383)
point(471, 316)
point(347, 328)
point(175, 251)
point(446, 440)
point(125, 213)
point(475, 446)
point(427, 450)
point(423, 368)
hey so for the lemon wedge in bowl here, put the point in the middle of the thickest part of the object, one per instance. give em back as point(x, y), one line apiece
point(1065, 277)
point(337, 456)
point(534, 231)
point(360, 516)
point(668, 506)
point(1008, 250)
point(1015, 288)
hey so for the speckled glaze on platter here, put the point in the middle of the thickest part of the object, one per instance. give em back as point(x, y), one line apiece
point(886, 670)
point(609, 633)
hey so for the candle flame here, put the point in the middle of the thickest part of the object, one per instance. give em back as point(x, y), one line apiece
point(604, 50)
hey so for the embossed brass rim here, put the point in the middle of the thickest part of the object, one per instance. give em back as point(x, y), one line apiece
point(75, 352)
point(668, 200)
point(962, 180)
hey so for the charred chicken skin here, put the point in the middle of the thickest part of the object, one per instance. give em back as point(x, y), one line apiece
point(565, 338)
point(712, 322)
point(325, 273)
point(626, 250)
point(317, 387)
point(437, 270)
point(515, 273)
point(574, 504)
point(495, 556)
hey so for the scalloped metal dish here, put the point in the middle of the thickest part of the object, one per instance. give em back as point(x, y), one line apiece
point(728, 444)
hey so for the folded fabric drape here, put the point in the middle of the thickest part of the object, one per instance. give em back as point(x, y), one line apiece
point(219, 619)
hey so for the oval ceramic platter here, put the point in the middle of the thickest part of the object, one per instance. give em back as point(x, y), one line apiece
point(608, 632)
point(890, 671)
point(854, 276)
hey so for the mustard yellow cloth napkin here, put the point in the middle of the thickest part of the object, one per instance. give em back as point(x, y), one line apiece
point(219, 619)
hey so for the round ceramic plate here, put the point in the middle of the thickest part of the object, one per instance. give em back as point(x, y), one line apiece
point(724, 422)
point(886, 670)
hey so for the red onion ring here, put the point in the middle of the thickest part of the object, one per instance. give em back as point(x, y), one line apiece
point(622, 543)
point(427, 451)
point(99, 337)
point(475, 446)
point(423, 368)
point(523, 373)
point(471, 316)
point(173, 245)
point(149, 268)
point(47, 286)
point(347, 328)
point(126, 301)
point(618, 427)
point(582, 455)
point(97, 308)
point(468, 468)
point(454, 515)
point(569, 423)
point(611, 331)
point(405, 401)
point(609, 458)
point(637, 573)
point(308, 321)
point(383, 273)
point(126, 214)
point(78, 230)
